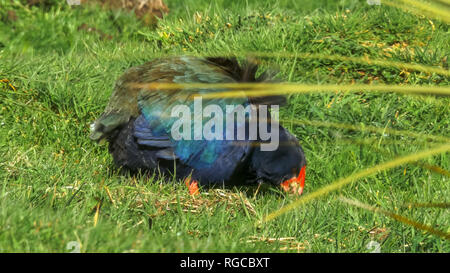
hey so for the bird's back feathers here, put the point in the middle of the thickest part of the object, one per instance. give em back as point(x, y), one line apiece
point(137, 121)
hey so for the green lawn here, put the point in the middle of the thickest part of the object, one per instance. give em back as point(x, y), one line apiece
point(56, 186)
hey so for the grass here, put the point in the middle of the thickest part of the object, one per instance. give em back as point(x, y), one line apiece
point(56, 186)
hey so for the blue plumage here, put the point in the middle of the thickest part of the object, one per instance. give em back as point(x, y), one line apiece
point(138, 124)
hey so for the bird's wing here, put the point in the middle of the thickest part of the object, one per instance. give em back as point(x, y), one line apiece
point(156, 107)
point(123, 102)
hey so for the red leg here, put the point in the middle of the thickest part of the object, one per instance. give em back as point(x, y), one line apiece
point(192, 186)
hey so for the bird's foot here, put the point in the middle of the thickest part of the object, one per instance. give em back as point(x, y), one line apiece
point(192, 186)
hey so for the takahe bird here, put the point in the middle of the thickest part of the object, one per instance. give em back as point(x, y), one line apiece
point(138, 123)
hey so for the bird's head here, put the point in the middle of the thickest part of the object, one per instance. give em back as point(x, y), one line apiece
point(284, 167)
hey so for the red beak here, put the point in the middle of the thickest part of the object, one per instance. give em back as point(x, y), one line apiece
point(295, 184)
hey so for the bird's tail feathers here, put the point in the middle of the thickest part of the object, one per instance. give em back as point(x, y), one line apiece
point(247, 72)
point(106, 125)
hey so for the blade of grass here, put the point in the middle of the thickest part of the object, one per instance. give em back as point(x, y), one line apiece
point(427, 205)
point(421, 8)
point(367, 128)
point(432, 168)
point(361, 174)
point(272, 89)
point(359, 60)
point(396, 217)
